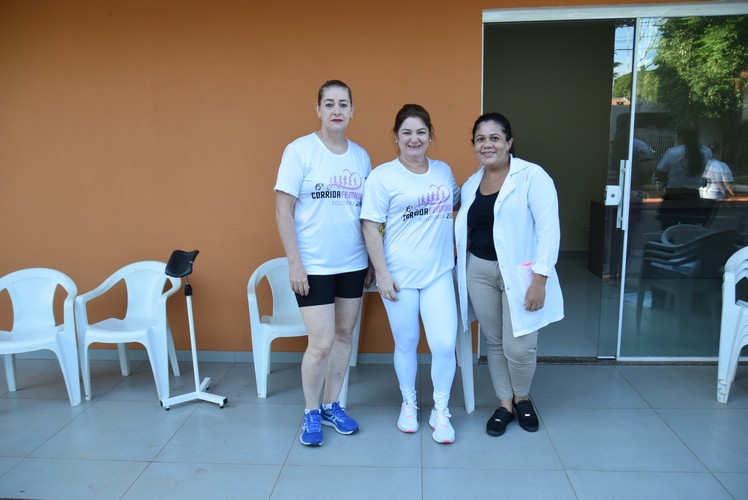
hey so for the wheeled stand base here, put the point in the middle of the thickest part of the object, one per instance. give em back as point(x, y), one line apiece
point(199, 394)
point(180, 265)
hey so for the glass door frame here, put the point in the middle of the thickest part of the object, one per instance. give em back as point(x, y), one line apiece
point(614, 12)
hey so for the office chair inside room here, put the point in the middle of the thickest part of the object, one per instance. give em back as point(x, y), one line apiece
point(32, 295)
point(145, 322)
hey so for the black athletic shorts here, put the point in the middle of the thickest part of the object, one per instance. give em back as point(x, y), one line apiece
point(324, 288)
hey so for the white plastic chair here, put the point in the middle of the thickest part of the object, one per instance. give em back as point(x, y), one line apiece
point(145, 322)
point(466, 360)
point(285, 321)
point(734, 330)
point(32, 293)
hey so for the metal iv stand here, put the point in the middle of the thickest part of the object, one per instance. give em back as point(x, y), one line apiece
point(180, 265)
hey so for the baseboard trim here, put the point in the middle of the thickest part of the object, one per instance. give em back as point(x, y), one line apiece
point(368, 358)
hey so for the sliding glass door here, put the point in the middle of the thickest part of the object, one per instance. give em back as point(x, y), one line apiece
point(686, 173)
point(610, 100)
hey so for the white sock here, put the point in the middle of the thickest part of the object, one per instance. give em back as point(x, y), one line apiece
point(441, 401)
point(409, 395)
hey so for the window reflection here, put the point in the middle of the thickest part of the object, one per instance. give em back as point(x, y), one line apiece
point(692, 75)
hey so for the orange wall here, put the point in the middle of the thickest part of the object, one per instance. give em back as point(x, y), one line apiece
point(131, 128)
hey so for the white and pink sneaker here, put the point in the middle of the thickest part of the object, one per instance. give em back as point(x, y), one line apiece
point(408, 420)
point(443, 433)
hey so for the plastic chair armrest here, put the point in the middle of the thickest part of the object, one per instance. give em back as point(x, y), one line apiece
point(81, 313)
point(254, 309)
point(176, 284)
point(68, 311)
point(100, 290)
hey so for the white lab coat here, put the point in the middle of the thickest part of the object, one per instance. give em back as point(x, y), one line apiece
point(526, 230)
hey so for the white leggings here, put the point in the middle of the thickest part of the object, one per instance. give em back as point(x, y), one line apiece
point(438, 310)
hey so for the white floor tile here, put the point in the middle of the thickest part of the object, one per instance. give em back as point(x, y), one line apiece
point(43, 382)
point(361, 483)
point(225, 481)
point(284, 384)
point(238, 433)
point(238, 384)
point(717, 438)
point(454, 483)
point(617, 440)
point(583, 386)
point(25, 369)
point(27, 424)
point(473, 448)
point(639, 431)
point(7, 464)
point(116, 430)
point(375, 385)
point(216, 372)
point(79, 479)
point(649, 485)
point(736, 484)
point(681, 386)
point(139, 385)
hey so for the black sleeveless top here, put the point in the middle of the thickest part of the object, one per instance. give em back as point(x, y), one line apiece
point(480, 226)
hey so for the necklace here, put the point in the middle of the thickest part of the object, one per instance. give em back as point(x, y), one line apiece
point(498, 177)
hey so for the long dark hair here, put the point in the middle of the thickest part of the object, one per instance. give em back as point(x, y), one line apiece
point(689, 136)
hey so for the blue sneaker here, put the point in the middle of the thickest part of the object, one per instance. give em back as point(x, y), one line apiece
point(336, 418)
point(311, 435)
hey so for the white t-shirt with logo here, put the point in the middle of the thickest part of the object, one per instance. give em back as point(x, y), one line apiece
point(329, 189)
point(417, 212)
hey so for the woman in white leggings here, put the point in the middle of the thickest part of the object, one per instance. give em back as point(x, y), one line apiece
point(435, 303)
point(407, 220)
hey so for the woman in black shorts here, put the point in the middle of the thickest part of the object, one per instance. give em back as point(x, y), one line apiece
point(318, 202)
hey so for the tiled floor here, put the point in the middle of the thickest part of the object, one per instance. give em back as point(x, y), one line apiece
point(607, 431)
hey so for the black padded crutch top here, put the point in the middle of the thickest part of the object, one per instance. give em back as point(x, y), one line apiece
point(180, 263)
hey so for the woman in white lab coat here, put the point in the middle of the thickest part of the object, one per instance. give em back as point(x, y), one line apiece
point(507, 235)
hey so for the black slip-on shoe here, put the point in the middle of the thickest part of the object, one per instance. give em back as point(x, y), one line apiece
point(526, 416)
point(496, 425)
